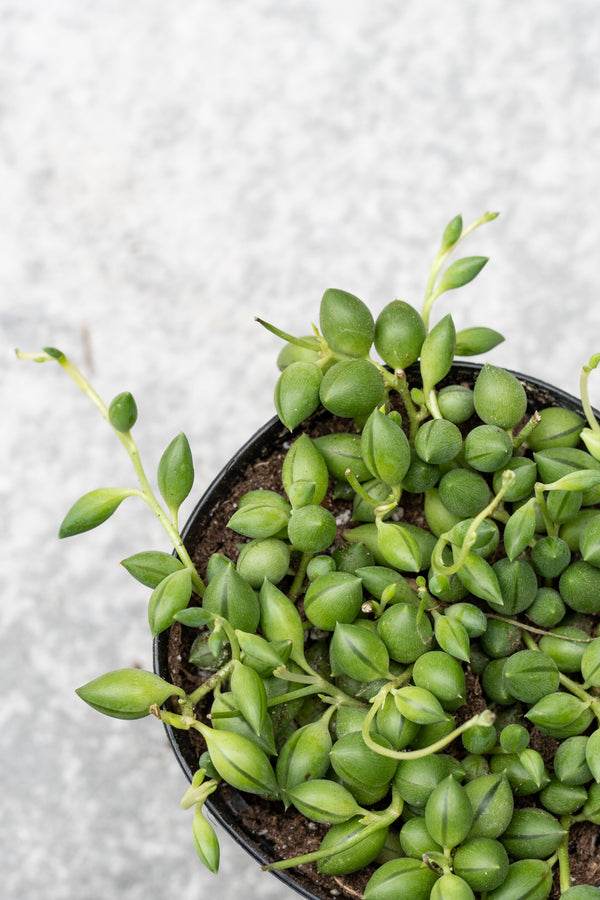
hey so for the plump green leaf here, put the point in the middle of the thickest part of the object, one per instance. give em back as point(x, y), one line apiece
point(92, 510)
point(170, 597)
point(151, 566)
point(241, 763)
point(205, 841)
point(461, 272)
point(472, 341)
point(297, 393)
point(122, 412)
point(437, 353)
point(176, 472)
point(322, 800)
point(127, 693)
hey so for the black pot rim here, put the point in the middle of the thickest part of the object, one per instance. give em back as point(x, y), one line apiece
point(225, 814)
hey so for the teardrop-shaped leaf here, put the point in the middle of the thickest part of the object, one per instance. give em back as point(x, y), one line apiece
point(448, 813)
point(92, 510)
point(437, 353)
point(520, 529)
point(472, 341)
point(297, 393)
point(419, 705)
point(280, 620)
point(171, 596)
point(590, 663)
point(322, 800)
point(592, 754)
point(249, 695)
point(151, 566)
point(240, 762)
point(205, 841)
point(584, 480)
point(176, 472)
point(452, 637)
point(480, 579)
point(127, 693)
point(460, 273)
point(398, 547)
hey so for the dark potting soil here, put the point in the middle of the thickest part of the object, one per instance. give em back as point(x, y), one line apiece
point(266, 826)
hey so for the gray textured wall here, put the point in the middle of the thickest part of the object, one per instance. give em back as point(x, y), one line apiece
point(168, 171)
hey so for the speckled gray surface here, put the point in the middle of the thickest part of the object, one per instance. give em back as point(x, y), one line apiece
point(167, 173)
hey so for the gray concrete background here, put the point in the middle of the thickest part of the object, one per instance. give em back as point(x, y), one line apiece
point(168, 171)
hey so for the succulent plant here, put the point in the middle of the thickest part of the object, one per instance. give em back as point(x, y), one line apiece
point(500, 583)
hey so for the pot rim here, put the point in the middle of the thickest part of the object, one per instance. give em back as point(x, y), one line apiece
point(223, 812)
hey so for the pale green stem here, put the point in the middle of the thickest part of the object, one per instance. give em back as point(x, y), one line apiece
point(211, 683)
point(585, 396)
point(130, 446)
point(551, 528)
point(508, 479)
point(438, 262)
point(296, 588)
point(525, 432)
point(563, 856)
point(376, 821)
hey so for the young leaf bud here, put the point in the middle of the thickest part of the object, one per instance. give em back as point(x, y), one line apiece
point(122, 412)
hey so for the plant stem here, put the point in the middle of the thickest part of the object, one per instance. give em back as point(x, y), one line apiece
point(211, 683)
point(130, 446)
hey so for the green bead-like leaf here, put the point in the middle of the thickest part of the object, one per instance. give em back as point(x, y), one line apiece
point(451, 887)
point(384, 448)
point(322, 800)
point(122, 412)
point(346, 323)
point(297, 393)
point(176, 472)
point(312, 529)
point(333, 598)
point(249, 696)
point(589, 541)
point(399, 334)
point(530, 878)
point(260, 514)
point(241, 763)
point(352, 389)
point(499, 397)
point(419, 705)
point(358, 653)
point(399, 547)
point(557, 427)
point(480, 579)
point(92, 510)
point(305, 755)
point(472, 341)
point(279, 619)
point(461, 272)
point(205, 841)
point(152, 566)
point(448, 813)
point(437, 353)
point(171, 596)
point(350, 852)
point(304, 463)
point(532, 834)
point(529, 675)
point(230, 596)
point(401, 877)
point(560, 715)
point(452, 637)
point(127, 693)
point(342, 451)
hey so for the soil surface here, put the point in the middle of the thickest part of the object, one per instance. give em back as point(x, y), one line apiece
point(265, 828)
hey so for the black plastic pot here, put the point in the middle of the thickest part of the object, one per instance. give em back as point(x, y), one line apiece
point(226, 805)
